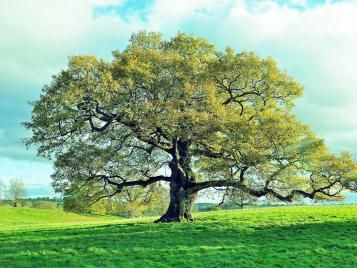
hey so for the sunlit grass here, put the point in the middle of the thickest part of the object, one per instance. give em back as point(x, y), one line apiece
point(28, 218)
point(270, 237)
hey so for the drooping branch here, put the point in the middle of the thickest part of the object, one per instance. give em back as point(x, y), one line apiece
point(225, 183)
point(127, 183)
point(105, 196)
point(311, 195)
point(265, 191)
point(142, 183)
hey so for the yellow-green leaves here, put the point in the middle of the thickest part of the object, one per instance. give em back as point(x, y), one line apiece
point(90, 77)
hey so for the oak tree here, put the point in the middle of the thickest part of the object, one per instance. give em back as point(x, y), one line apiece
point(211, 118)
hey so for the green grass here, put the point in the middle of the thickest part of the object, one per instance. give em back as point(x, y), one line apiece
point(269, 237)
point(12, 219)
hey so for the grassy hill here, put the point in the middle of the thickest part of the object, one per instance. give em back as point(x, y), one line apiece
point(269, 237)
point(29, 218)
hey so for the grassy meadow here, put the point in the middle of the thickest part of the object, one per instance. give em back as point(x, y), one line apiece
point(266, 237)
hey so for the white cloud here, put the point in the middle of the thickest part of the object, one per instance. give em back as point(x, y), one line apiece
point(317, 46)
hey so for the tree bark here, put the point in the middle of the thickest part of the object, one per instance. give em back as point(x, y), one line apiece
point(182, 197)
point(181, 202)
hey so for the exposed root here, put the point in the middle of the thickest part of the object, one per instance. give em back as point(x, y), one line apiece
point(187, 217)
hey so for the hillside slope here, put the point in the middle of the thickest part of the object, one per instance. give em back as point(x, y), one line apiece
point(270, 237)
point(30, 218)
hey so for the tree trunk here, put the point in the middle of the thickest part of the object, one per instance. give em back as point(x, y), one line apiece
point(181, 196)
point(181, 202)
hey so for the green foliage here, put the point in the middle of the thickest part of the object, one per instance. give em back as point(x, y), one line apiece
point(77, 201)
point(270, 237)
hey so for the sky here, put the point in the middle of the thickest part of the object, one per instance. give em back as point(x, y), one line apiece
point(313, 40)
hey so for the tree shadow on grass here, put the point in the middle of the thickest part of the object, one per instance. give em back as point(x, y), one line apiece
point(200, 244)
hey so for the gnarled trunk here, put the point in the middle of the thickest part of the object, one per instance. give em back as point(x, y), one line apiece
point(181, 202)
point(181, 196)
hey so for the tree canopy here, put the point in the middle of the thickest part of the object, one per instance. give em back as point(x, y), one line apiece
point(212, 118)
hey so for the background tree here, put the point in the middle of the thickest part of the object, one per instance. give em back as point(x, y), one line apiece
point(16, 191)
point(213, 118)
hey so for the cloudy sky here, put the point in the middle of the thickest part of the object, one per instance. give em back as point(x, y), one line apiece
point(314, 40)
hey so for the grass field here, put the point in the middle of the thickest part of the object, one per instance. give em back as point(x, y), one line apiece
point(269, 237)
point(12, 219)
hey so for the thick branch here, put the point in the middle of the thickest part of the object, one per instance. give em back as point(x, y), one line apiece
point(120, 185)
point(195, 187)
point(127, 183)
point(149, 138)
